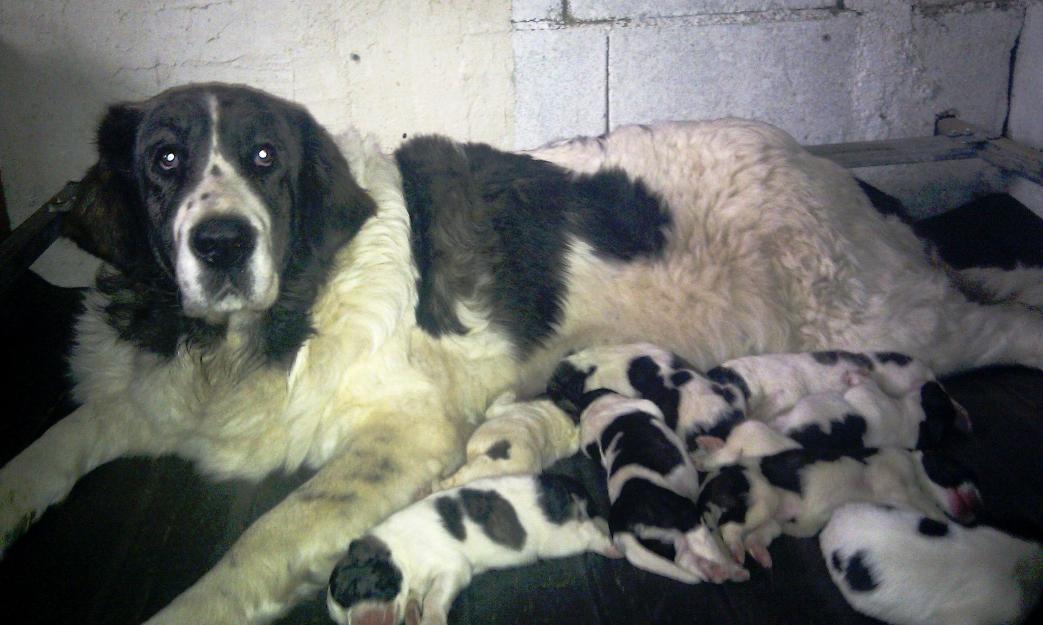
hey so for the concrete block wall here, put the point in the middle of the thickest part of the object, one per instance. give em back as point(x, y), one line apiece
point(823, 70)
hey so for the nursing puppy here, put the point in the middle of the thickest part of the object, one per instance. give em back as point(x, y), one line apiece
point(651, 487)
point(692, 405)
point(414, 564)
point(773, 383)
point(516, 437)
point(866, 416)
point(907, 569)
point(795, 492)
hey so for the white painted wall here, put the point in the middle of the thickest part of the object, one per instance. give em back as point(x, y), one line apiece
point(517, 74)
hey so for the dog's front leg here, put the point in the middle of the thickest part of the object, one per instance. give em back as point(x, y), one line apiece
point(290, 551)
point(45, 472)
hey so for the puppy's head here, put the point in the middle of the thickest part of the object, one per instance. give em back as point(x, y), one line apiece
point(367, 587)
point(722, 507)
point(220, 189)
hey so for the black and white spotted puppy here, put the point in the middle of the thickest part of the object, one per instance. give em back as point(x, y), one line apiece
point(861, 417)
point(904, 568)
point(795, 492)
point(692, 405)
point(773, 383)
point(417, 561)
point(866, 416)
point(651, 486)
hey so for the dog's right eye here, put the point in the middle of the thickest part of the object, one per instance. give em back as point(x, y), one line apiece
point(168, 159)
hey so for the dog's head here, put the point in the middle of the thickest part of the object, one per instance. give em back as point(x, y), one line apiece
point(226, 191)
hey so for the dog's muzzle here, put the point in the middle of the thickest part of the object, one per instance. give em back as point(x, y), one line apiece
point(223, 243)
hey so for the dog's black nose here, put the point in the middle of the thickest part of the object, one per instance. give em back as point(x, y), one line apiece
point(223, 242)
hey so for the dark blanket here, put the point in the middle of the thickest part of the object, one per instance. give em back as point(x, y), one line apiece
point(135, 533)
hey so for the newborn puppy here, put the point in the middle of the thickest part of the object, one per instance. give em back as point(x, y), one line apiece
point(692, 405)
point(796, 491)
point(516, 437)
point(651, 484)
point(773, 383)
point(863, 417)
point(866, 416)
point(904, 568)
point(415, 563)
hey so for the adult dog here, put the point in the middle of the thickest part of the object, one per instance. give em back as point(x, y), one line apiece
point(275, 299)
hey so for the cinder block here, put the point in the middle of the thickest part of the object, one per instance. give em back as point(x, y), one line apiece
point(532, 10)
point(796, 75)
point(966, 61)
point(1026, 106)
point(559, 84)
point(637, 9)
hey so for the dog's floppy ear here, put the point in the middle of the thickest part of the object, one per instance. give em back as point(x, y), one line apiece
point(103, 220)
point(332, 205)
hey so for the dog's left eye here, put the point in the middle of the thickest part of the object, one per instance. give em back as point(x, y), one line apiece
point(264, 156)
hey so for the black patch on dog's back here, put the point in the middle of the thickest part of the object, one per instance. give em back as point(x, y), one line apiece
point(848, 433)
point(641, 502)
point(640, 442)
point(492, 227)
point(784, 469)
point(729, 377)
point(892, 358)
point(833, 356)
point(500, 450)
point(566, 387)
point(858, 575)
point(932, 528)
point(645, 376)
point(452, 517)
point(558, 495)
point(366, 573)
point(495, 515)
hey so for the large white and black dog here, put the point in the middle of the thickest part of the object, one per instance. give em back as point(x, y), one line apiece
point(274, 299)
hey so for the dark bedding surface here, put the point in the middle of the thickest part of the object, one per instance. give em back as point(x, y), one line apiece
point(135, 533)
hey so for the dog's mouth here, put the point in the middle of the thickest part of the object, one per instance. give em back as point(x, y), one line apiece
point(214, 295)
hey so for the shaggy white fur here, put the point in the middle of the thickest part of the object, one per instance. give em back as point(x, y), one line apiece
point(772, 250)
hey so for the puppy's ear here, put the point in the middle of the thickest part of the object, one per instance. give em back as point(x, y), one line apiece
point(103, 220)
point(332, 205)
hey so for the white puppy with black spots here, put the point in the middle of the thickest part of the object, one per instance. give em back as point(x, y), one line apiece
point(414, 564)
point(860, 417)
point(692, 405)
point(651, 487)
point(795, 492)
point(904, 568)
point(773, 383)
